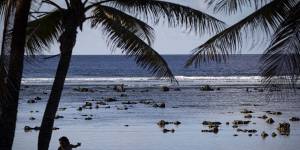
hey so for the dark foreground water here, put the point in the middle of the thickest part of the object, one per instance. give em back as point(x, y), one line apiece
point(190, 106)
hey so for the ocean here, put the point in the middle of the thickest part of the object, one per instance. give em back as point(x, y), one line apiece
point(114, 69)
point(129, 123)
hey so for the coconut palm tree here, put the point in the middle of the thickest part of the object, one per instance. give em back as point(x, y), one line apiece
point(9, 105)
point(278, 19)
point(122, 23)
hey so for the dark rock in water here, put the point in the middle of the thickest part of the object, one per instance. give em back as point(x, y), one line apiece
point(249, 134)
point(126, 125)
point(240, 122)
point(218, 89)
point(31, 118)
point(245, 111)
point(79, 109)
point(247, 131)
point(97, 107)
point(227, 123)
point(274, 134)
point(58, 117)
point(110, 99)
point(101, 103)
point(235, 135)
point(235, 126)
point(38, 98)
point(270, 121)
point(62, 109)
point(55, 128)
point(31, 101)
point(45, 93)
point(162, 105)
point(295, 119)
point(163, 123)
point(155, 105)
point(129, 103)
point(122, 108)
point(252, 131)
point(123, 95)
point(213, 130)
point(107, 107)
point(213, 126)
point(88, 104)
point(206, 88)
point(147, 102)
point(248, 116)
point(167, 130)
point(263, 117)
point(119, 88)
point(274, 113)
point(27, 128)
point(284, 128)
point(159, 105)
point(211, 123)
point(264, 134)
point(36, 128)
point(177, 123)
point(165, 88)
point(88, 118)
point(177, 89)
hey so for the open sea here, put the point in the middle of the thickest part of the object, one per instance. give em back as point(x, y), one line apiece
point(133, 126)
point(115, 69)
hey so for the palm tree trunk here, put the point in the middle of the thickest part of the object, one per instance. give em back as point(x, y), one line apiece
point(9, 116)
point(67, 41)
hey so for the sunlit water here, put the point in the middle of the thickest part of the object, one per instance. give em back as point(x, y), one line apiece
point(190, 106)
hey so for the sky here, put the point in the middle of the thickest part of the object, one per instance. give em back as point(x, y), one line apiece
point(167, 41)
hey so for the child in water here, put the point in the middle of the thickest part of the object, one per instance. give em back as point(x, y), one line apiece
point(65, 144)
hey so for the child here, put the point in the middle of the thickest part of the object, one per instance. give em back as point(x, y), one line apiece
point(65, 144)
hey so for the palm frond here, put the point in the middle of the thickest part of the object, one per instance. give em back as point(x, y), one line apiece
point(6, 6)
point(233, 6)
point(131, 45)
point(174, 14)
point(265, 20)
point(43, 31)
point(134, 25)
point(3, 5)
point(281, 61)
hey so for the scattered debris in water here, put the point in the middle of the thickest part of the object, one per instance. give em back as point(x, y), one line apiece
point(284, 128)
point(270, 121)
point(295, 119)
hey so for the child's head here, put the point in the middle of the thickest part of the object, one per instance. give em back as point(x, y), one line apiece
point(64, 141)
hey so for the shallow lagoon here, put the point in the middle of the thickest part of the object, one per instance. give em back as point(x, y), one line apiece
point(190, 106)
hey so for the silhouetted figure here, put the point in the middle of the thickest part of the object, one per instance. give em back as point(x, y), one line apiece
point(65, 144)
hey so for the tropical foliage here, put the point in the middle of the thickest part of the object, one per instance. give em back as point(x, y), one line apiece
point(123, 22)
point(276, 19)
